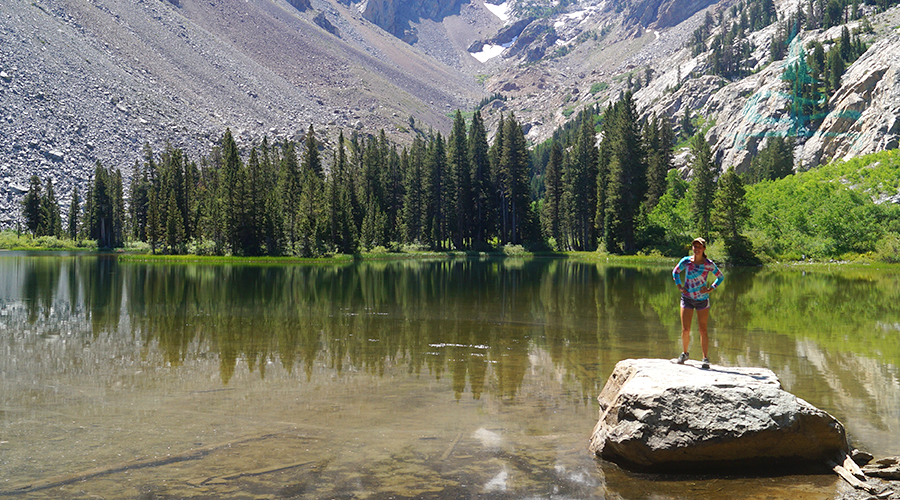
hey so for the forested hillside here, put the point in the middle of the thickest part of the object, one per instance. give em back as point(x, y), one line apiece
point(461, 193)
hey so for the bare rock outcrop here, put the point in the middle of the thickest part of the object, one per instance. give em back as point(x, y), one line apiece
point(657, 415)
point(865, 111)
point(665, 13)
point(393, 15)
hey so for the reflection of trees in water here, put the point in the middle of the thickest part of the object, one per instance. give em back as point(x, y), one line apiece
point(473, 322)
point(40, 282)
point(101, 285)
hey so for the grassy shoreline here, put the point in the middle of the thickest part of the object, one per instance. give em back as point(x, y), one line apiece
point(10, 241)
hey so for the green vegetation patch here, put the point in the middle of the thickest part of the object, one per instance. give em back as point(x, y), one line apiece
point(10, 240)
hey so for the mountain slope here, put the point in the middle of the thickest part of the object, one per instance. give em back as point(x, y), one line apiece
point(93, 81)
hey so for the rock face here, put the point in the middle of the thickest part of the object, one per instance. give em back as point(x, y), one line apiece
point(659, 416)
point(865, 111)
point(664, 13)
point(393, 15)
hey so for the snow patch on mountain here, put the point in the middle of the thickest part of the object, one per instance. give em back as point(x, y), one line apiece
point(502, 11)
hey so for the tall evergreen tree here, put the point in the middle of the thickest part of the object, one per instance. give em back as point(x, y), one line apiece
point(52, 220)
point(462, 201)
point(702, 188)
point(659, 140)
point(105, 218)
point(627, 175)
point(119, 215)
point(74, 210)
point(347, 230)
point(311, 199)
point(253, 225)
point(174, 225)
point(730, 211)
point(273, 218)
point(513, 171)
point(482, 188)
point(139, 201)
point(231, 192)
point(553, 193)
point(774, 161)
point(580, 181)
point(413, 191)
point(31, 206)
point(435, 192)
point(289, 191)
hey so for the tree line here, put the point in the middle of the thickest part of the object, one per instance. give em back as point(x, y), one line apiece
point(455, 193)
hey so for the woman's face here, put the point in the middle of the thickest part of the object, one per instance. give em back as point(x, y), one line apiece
point(698, 248)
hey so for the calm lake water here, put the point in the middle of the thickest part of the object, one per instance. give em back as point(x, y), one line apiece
point(405, 379)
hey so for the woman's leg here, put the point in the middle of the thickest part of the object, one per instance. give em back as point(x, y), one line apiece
point(686, 317)
point(702, 321)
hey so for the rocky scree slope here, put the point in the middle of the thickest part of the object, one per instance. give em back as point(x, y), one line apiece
point(88, 81)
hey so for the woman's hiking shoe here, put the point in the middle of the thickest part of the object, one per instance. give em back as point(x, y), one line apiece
point(705, 364)
point(682, 358)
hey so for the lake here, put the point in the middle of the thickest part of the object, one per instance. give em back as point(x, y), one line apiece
point(442, 379)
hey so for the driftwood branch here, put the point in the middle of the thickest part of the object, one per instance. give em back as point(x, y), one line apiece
point(849, 471)
point(452, 446)
point(208, 481)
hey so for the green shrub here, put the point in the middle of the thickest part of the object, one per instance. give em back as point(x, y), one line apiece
point(887, 249)
point(598, 87)
point(514, 250)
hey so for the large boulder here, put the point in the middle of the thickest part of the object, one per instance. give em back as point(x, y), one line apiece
point(656, 415)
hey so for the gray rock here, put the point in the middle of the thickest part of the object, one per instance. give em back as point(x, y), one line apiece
point(865, 111)
point(657, 415)
point(55, 155)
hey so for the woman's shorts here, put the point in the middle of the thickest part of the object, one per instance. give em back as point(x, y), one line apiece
point(689, 303)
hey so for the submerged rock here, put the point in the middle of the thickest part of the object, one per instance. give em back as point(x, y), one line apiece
point(660, 416)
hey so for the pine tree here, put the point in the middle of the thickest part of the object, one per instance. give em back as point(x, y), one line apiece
point(730, 211)
point(118, 203)
point(627, 175)
point(514, 167)
point(482, 188)
point(52, 220)
point(392, 182)
point(253, 225)
point(143, 175)
point(461, 202)
point(309, 216)
point(774, 161)
point(105, 218)
point(553, 193)
point(702, 188)
point(347, 231)
point(273, 220)
point(74, 208)
point(231, 193)
point(289, 191)
point(174, 225)
point(579, 186)
point(414, 197)
point(435, 205)
point(658, 139)
point(31, 206)
point(139, 201)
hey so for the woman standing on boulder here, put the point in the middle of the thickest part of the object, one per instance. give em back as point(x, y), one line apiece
point(695, 295)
